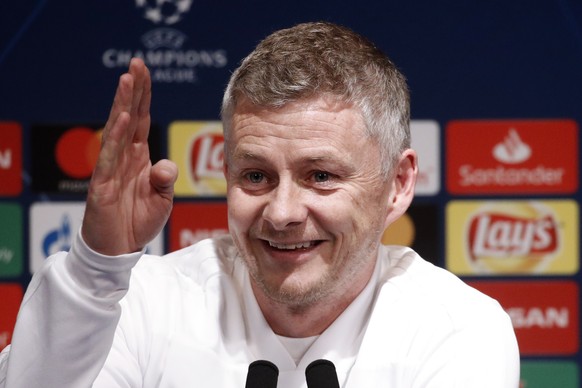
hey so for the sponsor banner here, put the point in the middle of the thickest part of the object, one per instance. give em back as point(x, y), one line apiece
point(545, 314)
point(544, 374)
point(53, 227)
point(418, 229)
point(192, 222)
point(512, 237)
point(167, 51)
point(197, 148)
point(11, 240)
point(65, 155)
point(425, 139)
point(11, 299)
point(512, 156)
point(10, 158)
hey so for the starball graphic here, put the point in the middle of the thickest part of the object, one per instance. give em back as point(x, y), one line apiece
point(167, 51)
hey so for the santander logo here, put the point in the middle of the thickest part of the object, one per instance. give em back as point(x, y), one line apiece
point(512, 149)
point(512, 156)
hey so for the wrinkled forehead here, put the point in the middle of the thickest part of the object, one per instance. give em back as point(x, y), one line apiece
point(310, 131)
point(324, 102)
point(302, 119)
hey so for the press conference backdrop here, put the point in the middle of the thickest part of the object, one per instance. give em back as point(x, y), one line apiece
point(496, 92)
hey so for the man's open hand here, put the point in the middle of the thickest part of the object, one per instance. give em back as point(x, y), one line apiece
point(129, 200)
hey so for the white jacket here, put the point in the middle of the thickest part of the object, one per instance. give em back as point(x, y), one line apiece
point(190, 319)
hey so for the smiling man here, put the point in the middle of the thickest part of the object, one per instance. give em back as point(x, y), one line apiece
point(318, 163)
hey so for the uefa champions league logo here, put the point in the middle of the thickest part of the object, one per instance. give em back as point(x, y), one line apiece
point(166, 12)
point(163, 48)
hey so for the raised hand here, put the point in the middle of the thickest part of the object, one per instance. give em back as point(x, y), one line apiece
point(129, 200)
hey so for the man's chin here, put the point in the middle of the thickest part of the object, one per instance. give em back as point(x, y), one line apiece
point(292, 292)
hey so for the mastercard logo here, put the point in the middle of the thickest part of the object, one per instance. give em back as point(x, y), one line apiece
point(77, 150)
point(401, 232)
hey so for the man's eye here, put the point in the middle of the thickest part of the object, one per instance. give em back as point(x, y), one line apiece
point(255, 177)
point(320, 176)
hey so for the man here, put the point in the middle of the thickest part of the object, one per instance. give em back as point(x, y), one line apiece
point(318, 163)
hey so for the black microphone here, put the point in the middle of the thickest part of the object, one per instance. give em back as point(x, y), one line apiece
point(262, 374)
point(321, 374)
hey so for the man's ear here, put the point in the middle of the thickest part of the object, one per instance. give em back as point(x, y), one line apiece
point(225, 169)
point(402, 186)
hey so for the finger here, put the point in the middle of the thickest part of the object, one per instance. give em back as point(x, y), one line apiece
point(121, 103)
point(143, 109)
point(163, 175)
point(111, 148)
point(139, 126)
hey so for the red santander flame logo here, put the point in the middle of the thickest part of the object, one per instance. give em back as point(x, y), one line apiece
point(502, 235)
point(207, 156)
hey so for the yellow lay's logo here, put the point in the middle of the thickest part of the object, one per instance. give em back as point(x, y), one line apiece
point(197, 147)
point(512, 237)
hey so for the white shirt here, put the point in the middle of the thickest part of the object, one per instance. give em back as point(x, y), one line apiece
point(191, 319)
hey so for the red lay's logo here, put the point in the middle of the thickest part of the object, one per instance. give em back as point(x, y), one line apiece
point(517, 236)
point(495, 234)
point(514, 156)
point(207, 157)
point(197, 149)
point(512, 237)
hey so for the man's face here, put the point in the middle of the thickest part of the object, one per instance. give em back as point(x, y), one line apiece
point(307, 203)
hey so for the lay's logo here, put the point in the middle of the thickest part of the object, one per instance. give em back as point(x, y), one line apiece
point(207, 157)
point(500, 235)
point(512, 237)
point(197, 147)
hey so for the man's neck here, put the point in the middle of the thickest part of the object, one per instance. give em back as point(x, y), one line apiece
point(312, 319)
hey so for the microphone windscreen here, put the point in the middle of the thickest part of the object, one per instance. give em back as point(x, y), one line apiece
point(321, 374)
point(262, 374)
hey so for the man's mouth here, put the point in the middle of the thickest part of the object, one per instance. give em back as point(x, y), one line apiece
point(299, 245)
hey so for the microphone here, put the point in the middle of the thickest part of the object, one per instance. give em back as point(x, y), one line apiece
point(321, 374)
point(262, 374)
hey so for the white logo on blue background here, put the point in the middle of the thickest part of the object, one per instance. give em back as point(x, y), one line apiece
point(164, 11)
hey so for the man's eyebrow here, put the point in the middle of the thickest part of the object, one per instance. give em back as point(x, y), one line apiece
point(321, 158)
point(247, 155)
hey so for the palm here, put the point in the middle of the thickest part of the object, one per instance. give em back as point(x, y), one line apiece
point(129, 200)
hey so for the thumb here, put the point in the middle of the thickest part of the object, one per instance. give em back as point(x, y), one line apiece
point(163, 176)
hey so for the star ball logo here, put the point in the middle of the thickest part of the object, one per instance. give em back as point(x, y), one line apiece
point(164, 49)
point(163, 11)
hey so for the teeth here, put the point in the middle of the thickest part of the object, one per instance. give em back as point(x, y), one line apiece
point(306, 244)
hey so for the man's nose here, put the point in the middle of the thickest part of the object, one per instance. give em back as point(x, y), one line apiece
point(285, 206)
